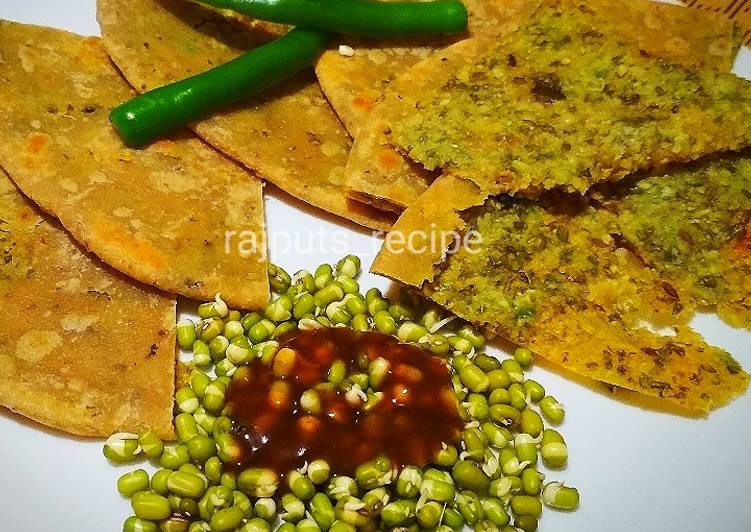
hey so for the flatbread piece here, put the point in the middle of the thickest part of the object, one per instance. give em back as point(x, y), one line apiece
point(288, 135)
point(164, 215)
point(587, 282)
point(692, 225)
point(355, 83)
point(82, 349)
point(565, 103)
point(377, 172)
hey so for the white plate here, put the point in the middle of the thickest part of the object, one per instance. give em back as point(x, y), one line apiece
point(636, 470)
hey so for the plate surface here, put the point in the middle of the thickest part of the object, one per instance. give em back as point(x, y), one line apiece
point(636, 470)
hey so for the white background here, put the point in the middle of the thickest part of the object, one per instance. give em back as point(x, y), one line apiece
point(636, 470)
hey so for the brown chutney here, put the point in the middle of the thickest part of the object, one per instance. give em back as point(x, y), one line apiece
point(415, 416)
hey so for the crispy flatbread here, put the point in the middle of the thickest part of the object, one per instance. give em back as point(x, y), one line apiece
point(354, 84)
point(559, 104)
point(163, 215)
point(438, 211)
point(551, 276)
point(288, 135)
point(377, 173)
point(692, 225)
point(690, 37)
point(82, 349)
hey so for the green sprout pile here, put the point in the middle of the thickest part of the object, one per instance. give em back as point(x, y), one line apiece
point(488, 478)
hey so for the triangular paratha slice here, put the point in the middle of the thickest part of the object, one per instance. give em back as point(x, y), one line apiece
point(82, 349)
point(288, 135)
point(590, 284)
point(177, 215)
point(377, 172)
point(565, 103)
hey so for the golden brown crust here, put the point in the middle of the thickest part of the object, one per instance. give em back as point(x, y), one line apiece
point(354, 84)
point(436, 211)
point(161, 214)
point(690, 37)
point(376, 169)
point(289, 135)
point(82, 349)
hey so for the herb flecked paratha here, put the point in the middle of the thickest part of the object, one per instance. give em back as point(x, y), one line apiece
point(692, 225)
point(584, 282)
point(378, 173)
point(565, 103)
point(82, 349)
point(355, 83)
point(162, 214)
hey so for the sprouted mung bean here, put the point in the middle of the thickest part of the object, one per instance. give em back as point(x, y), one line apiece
point(486, 478)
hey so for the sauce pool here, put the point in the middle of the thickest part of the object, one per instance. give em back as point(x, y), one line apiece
point(415, 416)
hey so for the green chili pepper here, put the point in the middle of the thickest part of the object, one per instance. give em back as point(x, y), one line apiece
point(366, 18)
point(165, 109)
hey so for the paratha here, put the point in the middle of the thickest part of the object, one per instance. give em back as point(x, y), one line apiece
point(376, 171)
point(82, 349)
point(550, 275)
point(692, 225)
point(355, 83)
point(173, 215)
point(288, 135)
point(565, 103)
